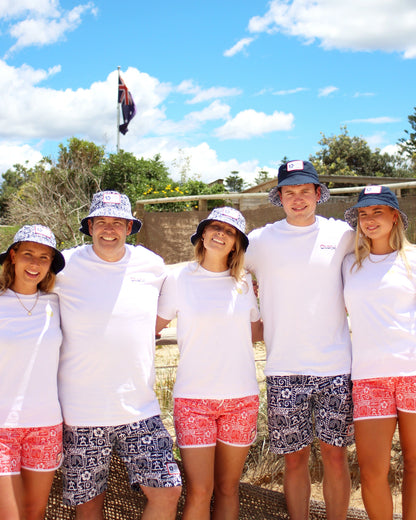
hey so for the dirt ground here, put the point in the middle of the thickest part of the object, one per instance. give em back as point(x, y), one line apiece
point(166, 361)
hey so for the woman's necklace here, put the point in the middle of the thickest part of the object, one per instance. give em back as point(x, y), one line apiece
point(385, 256)
point(29, 311)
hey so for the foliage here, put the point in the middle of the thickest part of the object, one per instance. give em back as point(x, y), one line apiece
point(346, 155)
point(408, 144)
point(234, 183)
point(262, 176)
point(58, 195)
point(13, 178)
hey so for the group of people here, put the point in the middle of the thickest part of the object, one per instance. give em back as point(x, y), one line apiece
point(77, 347)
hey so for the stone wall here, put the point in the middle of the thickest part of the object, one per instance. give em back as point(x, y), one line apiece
point(168, 234)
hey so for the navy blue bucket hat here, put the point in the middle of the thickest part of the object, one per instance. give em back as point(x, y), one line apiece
point(294, 173)
point(40, 235)
point(110, 204)
point(228, 215)
point(374, 196)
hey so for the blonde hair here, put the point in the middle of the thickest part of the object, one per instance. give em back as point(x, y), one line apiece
point(235, 260)
point(397, 241)
point(8, 275)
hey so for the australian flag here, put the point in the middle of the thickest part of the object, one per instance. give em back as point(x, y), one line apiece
point(127, 105)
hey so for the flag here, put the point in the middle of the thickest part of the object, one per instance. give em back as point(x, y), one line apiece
point(128, 107)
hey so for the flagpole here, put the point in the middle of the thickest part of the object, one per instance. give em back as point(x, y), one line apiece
point(118, 112)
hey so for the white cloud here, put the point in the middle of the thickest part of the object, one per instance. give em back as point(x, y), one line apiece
point(238, 47)
point(291, 91)
point(363, 94)
point(376, 140)
point(249, 123)
point(326, 91)
point(43, 26)
point(376, 120)
point(391, 149)
point(384, 25)
point(201, 95)
point(12, 153)
point(15, 8)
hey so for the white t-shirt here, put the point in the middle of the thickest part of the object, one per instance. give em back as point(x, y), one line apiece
point(29, 355)
point(381, 302)
point(214, 332)
point(108, 312)
point(301, 296)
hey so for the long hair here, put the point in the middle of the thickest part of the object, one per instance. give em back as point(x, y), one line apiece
point(397, 241)
point(8, 275)
point(235, 260)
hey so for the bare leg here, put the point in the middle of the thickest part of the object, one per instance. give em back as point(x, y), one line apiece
point(297, 484)
point(91, 510)
point(229, 463)
point(162, 503)
point(199, 475)
point(36, 488)
point(373, 438)
point(337, 481)
point(11, 497)
point(407, 429)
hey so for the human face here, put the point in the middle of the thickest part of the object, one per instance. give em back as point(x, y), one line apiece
point(299, 203)
point(376, 222)
point(219, 238)
point(109, 237)
point(32, 262)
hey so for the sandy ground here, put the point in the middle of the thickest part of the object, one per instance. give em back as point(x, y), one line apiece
point(166, 361)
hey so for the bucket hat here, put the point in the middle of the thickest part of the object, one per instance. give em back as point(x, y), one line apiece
point(374, 196)
point(40, 235)
point(228, 215)
point(110, 204)
point(294, 173)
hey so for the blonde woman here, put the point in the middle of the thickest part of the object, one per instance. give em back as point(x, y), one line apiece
point(216, 392)
point(380, 294)
point(30, 338)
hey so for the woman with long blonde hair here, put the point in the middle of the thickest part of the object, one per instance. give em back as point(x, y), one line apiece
point(216, 392)
point(30, 339)
point(380, 295)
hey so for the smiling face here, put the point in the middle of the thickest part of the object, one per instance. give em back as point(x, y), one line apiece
point(219, 238)
point(376, 223)
point(109, 236)
point(32, 262)
point(299, 203)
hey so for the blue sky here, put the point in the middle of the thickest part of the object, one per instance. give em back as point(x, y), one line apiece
point(234, 85)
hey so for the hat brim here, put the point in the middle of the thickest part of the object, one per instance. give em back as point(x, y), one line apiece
point(274, 195)
point(351, 214)
point(84, 228)
point(203, 224)
point(58, 262)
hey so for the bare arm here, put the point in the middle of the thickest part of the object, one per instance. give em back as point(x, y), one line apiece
point(256, 331)
point(161, 323)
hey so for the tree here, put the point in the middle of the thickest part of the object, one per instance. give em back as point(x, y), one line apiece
point(13, 178)
point(346, 155)
point(59, 195)
point(262, 176)
point(234, 183)
point(407, 144)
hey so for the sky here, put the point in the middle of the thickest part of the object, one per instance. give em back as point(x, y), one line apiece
point(219, 86)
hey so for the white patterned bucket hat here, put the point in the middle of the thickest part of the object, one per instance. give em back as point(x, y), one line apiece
point(40, 235)
point(110, 204)
point(228, 215)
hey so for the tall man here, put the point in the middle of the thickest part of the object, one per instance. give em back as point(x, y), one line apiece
point(108, 298)
point(297, 262)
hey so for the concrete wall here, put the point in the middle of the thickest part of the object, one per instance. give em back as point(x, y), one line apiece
point(168, 234)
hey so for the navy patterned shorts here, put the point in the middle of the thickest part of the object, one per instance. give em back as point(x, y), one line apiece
point(144, 446)
point(297, 404)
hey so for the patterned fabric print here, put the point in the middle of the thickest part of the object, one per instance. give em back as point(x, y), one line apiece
point(295, 404)
point(382, 397)
point(145, 447)
point(201, 422)
point(36, 449)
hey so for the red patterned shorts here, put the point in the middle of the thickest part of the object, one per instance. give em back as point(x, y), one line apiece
point(203, 422)
point(383, 396)
point(37, 449)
